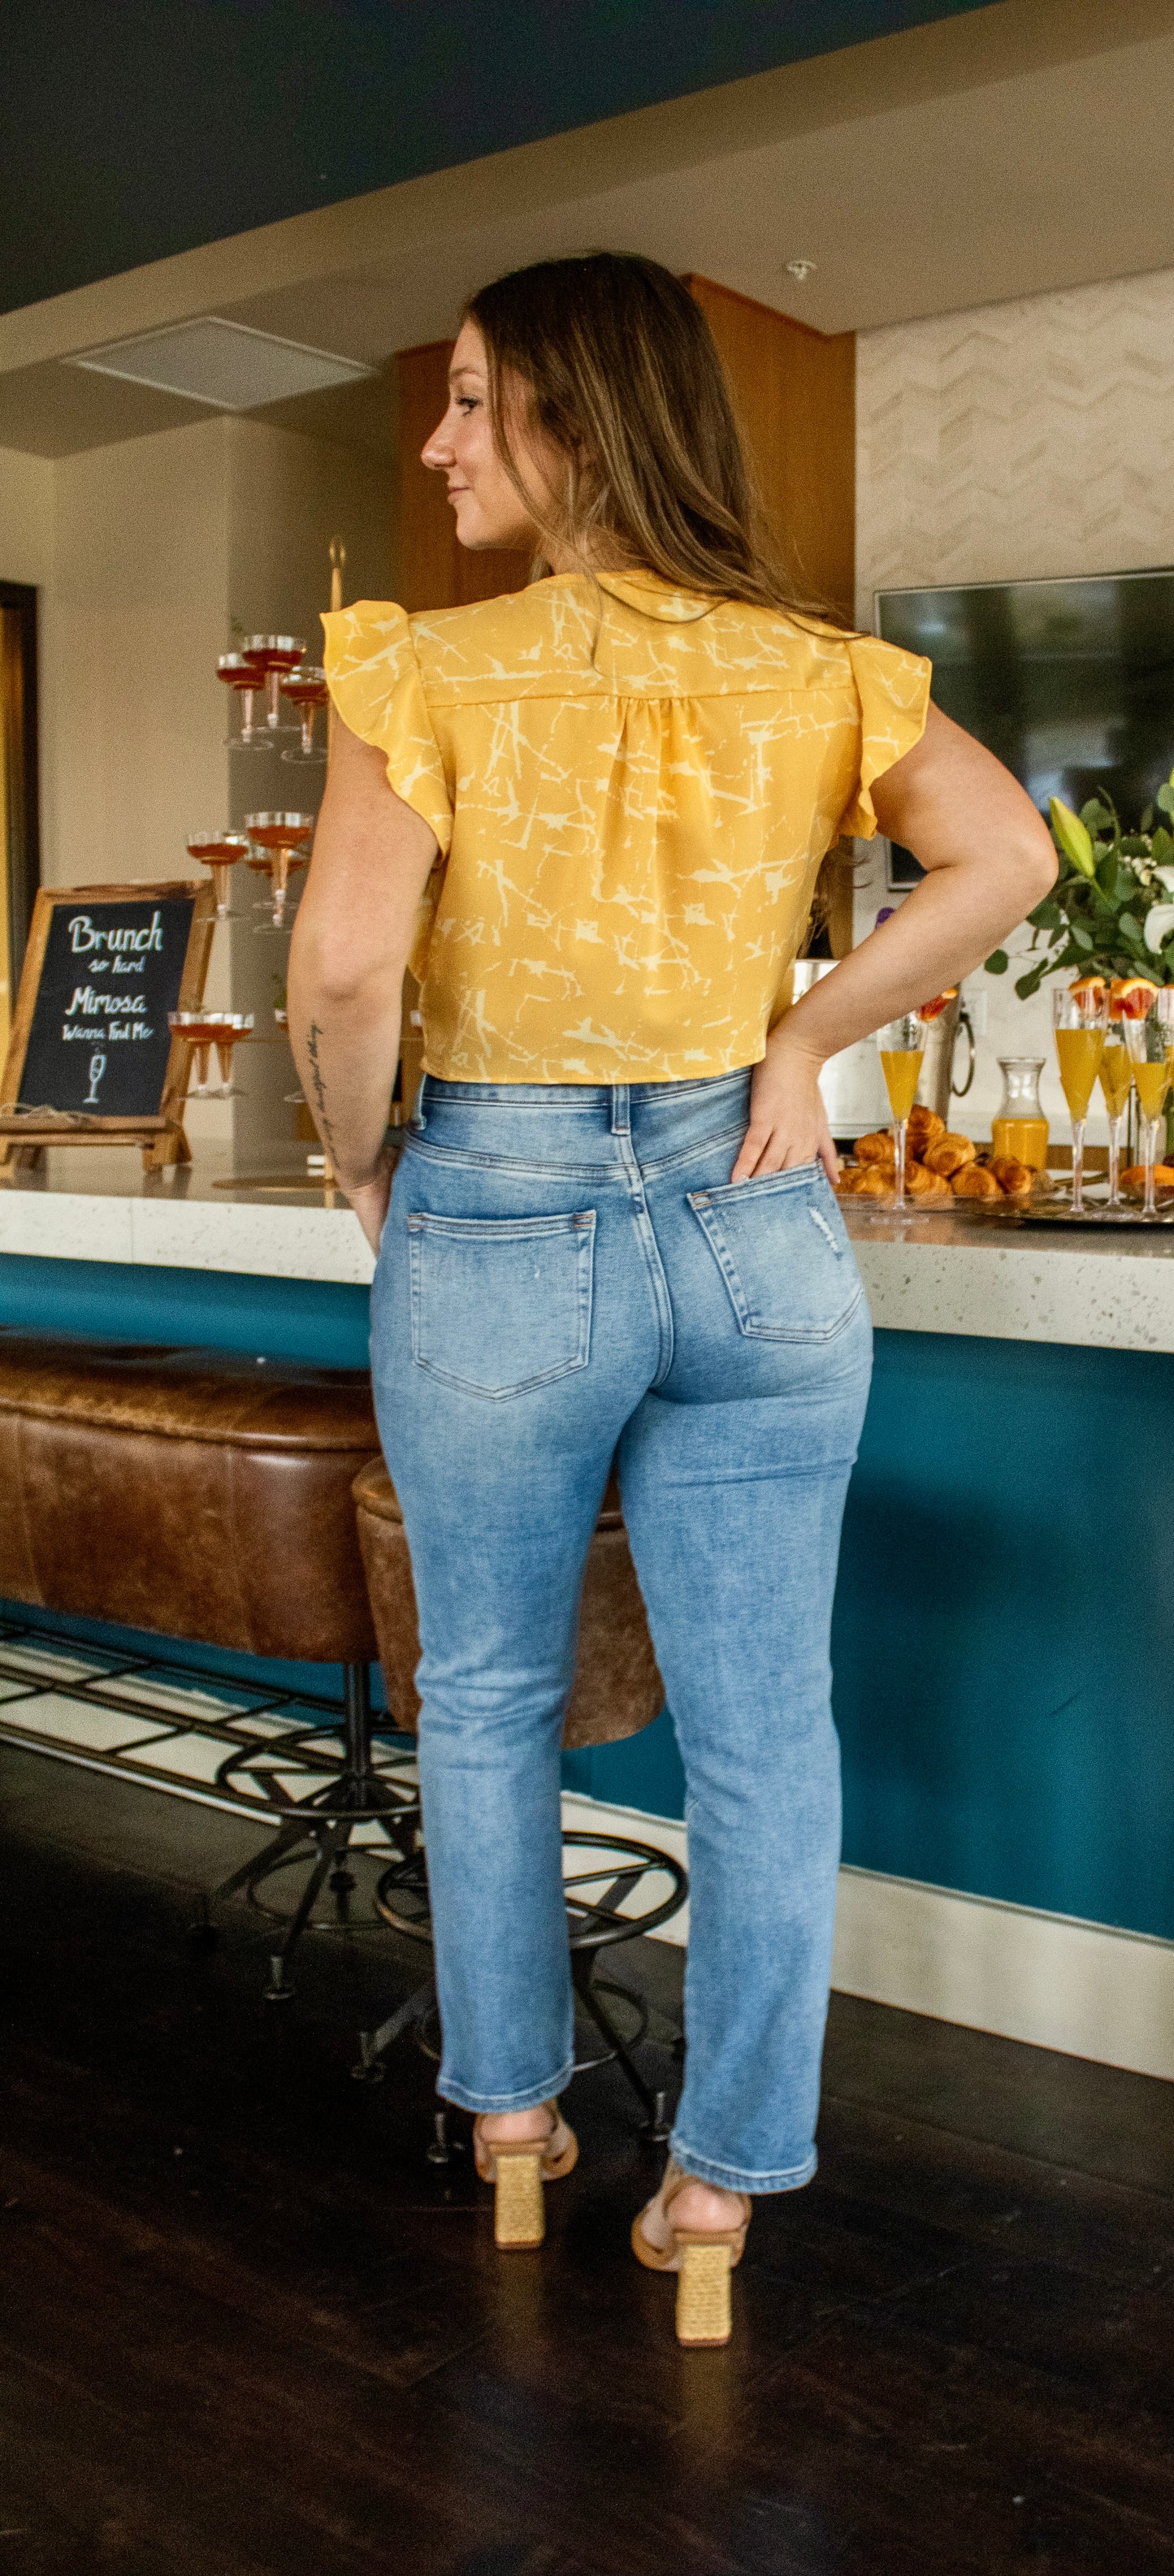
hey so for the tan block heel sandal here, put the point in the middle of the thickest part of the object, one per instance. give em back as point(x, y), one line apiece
point(702, 2259)
point(517, 2168)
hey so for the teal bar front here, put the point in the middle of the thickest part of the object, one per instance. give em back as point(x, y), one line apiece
point(1004, 1631)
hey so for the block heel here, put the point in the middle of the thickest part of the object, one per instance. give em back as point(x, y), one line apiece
point(702, 2259)
point(518, 2169)
point(703, 2290)
point(519, 2211)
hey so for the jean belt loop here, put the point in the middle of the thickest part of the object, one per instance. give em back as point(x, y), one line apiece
point(418, 1120)
point(621, 1109)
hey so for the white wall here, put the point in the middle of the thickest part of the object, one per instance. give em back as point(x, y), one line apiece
point(152, 557)
point(1020, 440)
point(26, 517)
point(288, 496)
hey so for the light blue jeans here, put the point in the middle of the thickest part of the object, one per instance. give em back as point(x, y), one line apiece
point(566, 1274)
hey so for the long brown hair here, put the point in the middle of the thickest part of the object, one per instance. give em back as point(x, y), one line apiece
point(620, 371)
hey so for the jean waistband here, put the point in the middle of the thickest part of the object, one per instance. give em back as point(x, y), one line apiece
point(590, 1097)
point(579, 1123)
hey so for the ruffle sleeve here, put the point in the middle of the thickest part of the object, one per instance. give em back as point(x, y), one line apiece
point(374, 679)
point(893, 689)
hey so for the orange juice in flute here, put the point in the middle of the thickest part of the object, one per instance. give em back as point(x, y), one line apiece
point(902, 1047)
point(1147, 1019)
point(1080, 1018)
point(1116, 1079)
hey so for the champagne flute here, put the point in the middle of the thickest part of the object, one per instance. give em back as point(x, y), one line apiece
point(1150, 1042)
point(1080, 1018)
point(902, 1046)
point(1116, 1079)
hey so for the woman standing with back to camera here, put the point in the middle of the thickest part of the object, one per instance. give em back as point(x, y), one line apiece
point(612, 1231)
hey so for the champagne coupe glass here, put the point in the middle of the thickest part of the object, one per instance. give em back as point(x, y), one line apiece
point(241, 675)
point(1150, 1042)
point(273, 657)
point(1080, 1018)
point(902, 1046)
point(307, 690)
point(232, 1026)
point(219, 851)
point(198, 1029)
point(1116, 1080)
point(280, 841)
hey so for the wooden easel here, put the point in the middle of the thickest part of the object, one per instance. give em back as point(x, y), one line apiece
point(161, 1136)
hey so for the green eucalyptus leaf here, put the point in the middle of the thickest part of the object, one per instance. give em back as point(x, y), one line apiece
point(1147, 820)
point(1082, 939)
point(998, 963)
point(1165, 799)
point(1026, 985)
point(1047, 915)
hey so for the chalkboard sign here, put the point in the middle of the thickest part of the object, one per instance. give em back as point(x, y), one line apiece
point(92, 1059)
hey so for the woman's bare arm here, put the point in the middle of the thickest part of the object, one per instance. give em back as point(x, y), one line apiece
point(988, 859)
point(372, 858)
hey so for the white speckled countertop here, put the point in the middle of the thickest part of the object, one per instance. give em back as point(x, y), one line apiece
point(940, 1274)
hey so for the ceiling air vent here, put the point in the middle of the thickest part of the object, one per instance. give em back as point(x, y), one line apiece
point(222, 364)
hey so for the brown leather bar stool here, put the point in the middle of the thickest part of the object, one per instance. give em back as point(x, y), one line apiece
point(206, 1494)
point(609, 1879)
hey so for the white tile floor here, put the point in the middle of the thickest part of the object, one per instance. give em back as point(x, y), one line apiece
point(58, 1701)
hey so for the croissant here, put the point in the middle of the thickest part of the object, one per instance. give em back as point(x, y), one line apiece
point(874, 1183)
point(925, 1128)
point(1014, 1178)
point(1132, 1182)
point(923, 1184)
point(949, 1155)
point(879, 1148)
point(975, 1182)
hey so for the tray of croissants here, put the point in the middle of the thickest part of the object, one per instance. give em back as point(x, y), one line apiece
point(942, 1170)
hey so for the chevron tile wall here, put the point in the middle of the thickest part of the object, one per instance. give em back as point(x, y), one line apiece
point(1025, 439)
point(1020, 440)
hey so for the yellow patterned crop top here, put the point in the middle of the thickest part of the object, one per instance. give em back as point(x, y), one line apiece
point(631, 789)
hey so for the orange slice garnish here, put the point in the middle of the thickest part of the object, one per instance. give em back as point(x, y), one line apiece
point(1092, 989)
point(933, 1010)
point(1131, 996)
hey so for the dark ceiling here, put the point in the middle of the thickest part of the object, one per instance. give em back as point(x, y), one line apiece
point(131, 129)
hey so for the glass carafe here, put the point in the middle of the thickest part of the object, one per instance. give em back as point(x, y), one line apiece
point(1019, 1127)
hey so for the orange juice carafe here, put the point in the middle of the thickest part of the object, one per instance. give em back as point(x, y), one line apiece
point(1020, 1128)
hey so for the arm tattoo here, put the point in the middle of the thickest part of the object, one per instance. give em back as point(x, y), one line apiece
point(318, 1084)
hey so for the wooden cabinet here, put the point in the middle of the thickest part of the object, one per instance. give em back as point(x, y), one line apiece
point(796, 393)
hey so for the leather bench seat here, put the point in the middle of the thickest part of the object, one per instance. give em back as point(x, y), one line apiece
point(202, 1494)
point(617, 1687)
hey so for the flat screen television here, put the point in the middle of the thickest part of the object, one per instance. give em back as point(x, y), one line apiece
point(1071, 683)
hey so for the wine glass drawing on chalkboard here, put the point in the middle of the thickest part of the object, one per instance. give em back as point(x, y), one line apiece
point(219, 851)
point(280, 845)
point(307, 690)
point(247, 681)
point(273, 657)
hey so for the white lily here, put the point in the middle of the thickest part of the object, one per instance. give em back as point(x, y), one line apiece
point(1159, 920)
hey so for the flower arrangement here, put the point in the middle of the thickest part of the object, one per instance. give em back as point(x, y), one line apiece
point(1110, 909)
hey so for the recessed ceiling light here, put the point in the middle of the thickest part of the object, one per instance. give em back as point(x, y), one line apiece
point(221, 363)
point(800, 270)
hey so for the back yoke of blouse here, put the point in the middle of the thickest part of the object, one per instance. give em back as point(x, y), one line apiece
point(631, 789)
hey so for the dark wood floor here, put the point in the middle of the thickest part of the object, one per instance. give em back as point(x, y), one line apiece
point(246, 2330)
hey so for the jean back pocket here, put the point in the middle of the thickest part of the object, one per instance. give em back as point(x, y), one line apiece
point(783, 1252)
point(501, 1304)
